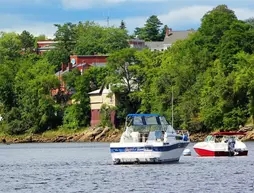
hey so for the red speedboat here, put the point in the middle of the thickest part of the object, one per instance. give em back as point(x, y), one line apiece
point(222, 144)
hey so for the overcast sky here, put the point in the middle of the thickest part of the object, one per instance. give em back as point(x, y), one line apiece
point(38, 16)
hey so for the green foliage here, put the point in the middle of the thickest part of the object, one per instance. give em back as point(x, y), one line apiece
point(208, 76)
point(93, 38)
point(121, 66)
point(151, 31)
point(27, 41)
point(10, 46)
point(40, 38)
point(66, 36)
point(105, 115)
point(250, 21)
point(28, 106)
point(214, 24)
point(78, 114)
point(74, 117)
point(57, 57)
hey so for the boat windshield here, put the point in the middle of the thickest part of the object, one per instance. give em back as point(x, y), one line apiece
point(209, 138)
point(147, 122)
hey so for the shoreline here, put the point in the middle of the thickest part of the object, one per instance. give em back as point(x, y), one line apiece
point(93, 135)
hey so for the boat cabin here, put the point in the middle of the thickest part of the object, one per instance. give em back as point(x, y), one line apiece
point(146, 127)
point(219, 137)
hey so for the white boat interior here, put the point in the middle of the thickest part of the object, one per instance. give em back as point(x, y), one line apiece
point(219, 144)
point(147, 138)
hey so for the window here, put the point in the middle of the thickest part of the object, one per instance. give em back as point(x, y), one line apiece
point(151, 120)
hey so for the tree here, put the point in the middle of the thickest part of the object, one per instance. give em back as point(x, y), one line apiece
point(250, 21)
point(7, 90)
point(66, 36)
point(93, 38)
point(40, 37)
point(90, 39)
point(78, 114)
point(26, 96)
point(57, 57)
point(214, 24)
point(10, 46)
point(151, 30)
point(122, 66)
point(115, 39)
point(240, 37)
point(36, 109)
point(27, 41)
point(121, 72)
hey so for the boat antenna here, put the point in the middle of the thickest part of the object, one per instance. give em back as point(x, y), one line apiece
point(172, 107)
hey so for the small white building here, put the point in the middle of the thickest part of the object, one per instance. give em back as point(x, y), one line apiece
point(99, 97)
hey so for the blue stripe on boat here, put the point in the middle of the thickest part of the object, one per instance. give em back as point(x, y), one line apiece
point(148, 148)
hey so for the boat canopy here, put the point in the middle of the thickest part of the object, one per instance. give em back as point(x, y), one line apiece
point(228, 133)
point(144, 119)
point(147, 122)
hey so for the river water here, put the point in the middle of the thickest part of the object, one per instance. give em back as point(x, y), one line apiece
point(87, 167)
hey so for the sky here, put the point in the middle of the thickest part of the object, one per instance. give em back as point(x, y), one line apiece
point(39, 16)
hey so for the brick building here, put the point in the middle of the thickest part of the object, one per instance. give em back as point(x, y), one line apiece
point(45, 45)
point(80, 62)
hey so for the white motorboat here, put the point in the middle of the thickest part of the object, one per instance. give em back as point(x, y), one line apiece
point(222, 144)
point(148, 138)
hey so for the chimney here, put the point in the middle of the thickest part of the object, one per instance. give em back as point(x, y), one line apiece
point(167, 31)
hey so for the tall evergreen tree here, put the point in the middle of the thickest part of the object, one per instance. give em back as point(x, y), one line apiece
point(151, 31)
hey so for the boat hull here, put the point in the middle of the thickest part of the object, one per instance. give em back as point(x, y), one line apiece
point(209, 153)
point(142, 153)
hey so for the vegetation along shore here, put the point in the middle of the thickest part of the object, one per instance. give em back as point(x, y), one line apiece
point(94, 135)
point(210, 74)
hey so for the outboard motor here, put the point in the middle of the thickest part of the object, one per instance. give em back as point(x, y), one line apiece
point(231, 146)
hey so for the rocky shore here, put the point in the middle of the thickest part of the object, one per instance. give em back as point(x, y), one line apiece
point(89, 135)
point(101, 135)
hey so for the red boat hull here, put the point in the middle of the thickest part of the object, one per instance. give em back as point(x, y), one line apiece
point(208, 153)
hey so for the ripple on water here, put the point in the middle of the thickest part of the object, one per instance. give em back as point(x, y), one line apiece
point(76, 168)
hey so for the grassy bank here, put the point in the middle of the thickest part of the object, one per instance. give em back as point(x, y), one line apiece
point(65, 135)
point(48, 136)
